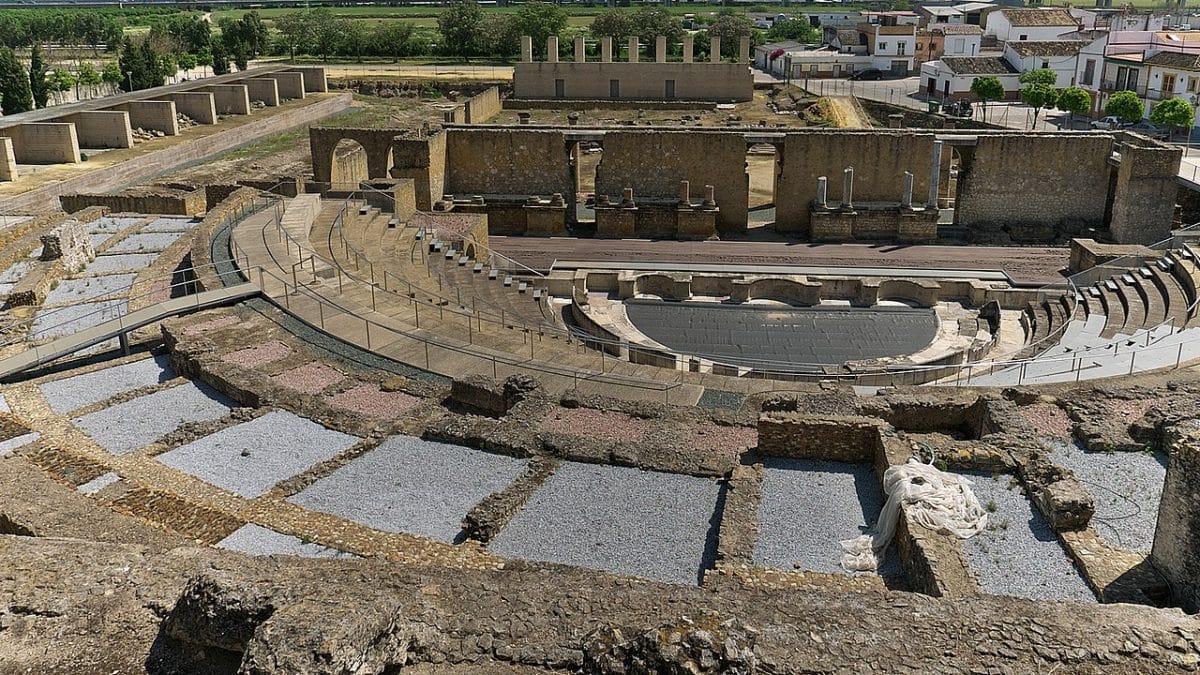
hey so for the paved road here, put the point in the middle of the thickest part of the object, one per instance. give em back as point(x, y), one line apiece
point(1028, 265)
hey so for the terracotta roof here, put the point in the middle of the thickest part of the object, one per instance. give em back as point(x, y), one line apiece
point(1175, 60)
point(895, 30)
point(978, 65)
point(1046, 47)
point(957, 29)
point(1039, 17)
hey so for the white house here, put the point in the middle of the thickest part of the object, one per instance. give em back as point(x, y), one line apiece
point(1058, 56)
point(1013, 25)
point(1089, 65)
point(891, 47)
point(1172, 75)
point(952, 76)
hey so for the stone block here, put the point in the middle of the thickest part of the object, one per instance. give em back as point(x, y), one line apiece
point(101, 128)
point(615, 223)
point(290, 85)
point(262, 90)
point(69, 242)
point(314, 78)
point(199, 106)
point(44, 143)
point(843, 439)
point(8, 159)
point(1176, 550)
point(1066, 505)
point(152, 116)
point(547, 221)
point(230, 99)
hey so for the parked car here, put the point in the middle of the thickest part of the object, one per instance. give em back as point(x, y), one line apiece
point(958, 108)
point(1148, 129)
point(1110, 122)
point(868, 74)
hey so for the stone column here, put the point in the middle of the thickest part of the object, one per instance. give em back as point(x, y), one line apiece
point(821, 201)
point(606, 50)
point(744, 50)
point(689, 47)
point(660, 49)
point(1176, 549)
point(8, 160)
point(685, 193)
point(526, 49)
point(710, 197)
point(552, 49)
point(627, 198)
point(580, 50)
point(634, 48)
point(714, 50)
point(906, 198)
point(935, 175)
point(848, 189)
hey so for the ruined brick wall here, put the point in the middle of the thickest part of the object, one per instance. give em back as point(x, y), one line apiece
point(349, 165)
point(879, 158)
point(654, 162)
point(507, 162)
point(141, 200)
point(691, 81)
point(376, 143)
point(1143, 200)
point(889, 224)
point(1055, 184)
point(1176, 550)
point(422, 159)
point(843, 439)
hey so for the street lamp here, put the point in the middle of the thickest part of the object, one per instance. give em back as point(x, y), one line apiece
point(129, 77)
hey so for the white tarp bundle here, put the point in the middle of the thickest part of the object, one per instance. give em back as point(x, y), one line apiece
point(934, 499)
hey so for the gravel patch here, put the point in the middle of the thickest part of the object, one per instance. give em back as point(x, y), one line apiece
point(1126, 488)
point(71, 291)
point(309, 378)
point(809, 506)
point(722, 438)
point(411, 485)
point(14, 273)
point(715, 398)
point(616, 519)
point(1018, 554)
point(110, 224)
point(257, 540)
point(170, 225)
point(109, 264)
point(52, 323)
point(612, 426)
point(73, 393)
point(13, 444)
point(249, 458)
point(370, 400)
point(127, 426)
point(99, 483)
point(99, 239)
point(152, 241)
point(258, 355)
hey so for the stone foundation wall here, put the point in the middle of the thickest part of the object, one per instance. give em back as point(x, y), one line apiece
point(1176, 550)
point(874, 224)
point(141, 200)
point(842, 439)
point(482, 107)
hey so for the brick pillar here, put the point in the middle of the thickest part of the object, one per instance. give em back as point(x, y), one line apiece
point(580, 50)
point(526, 49)
point(606, 50)
point(689, 46)
point(660, 49)
point(744, 50)
point(634, 47)
point(714, 50)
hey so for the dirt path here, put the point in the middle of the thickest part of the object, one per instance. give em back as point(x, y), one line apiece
point(844, 113)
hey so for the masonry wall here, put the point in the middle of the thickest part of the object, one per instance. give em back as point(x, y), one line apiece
point(482, 107)
point(314, 79)
point(349, 165)
point(263, 90)
point(879, 158)
point(424, 161)
point(44, 143)
point(8, 160)
point(157, 201)
point(693, 81)
point(507, 162)
point(654, 162)
point(101, 129)
point(1176, 549)
point(290, 85)
point(1144, 196)
point(1038, 181)
point(201, 107)
point(151, 115)
point(230, 99)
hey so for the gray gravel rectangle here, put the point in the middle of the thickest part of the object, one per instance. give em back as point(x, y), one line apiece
point(621, 520)
point(108, 264)
point(1125, 487)
point(99, 239)
point(809, 506)
point(411, 485)
point(257, 540)
point(151, 241)
point(249, 458)
point(170, 225)
point(59, 321)
point(1018, 553)
point(86, 288)
point(127, 426)
point(73, 393)
point(15, 271)
point(99, 483)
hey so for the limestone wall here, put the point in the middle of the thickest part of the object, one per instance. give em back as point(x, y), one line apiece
point(1057, 183)
point(152, 116)
point(200, 106)
point(1176, 550)
point(140, 200)
point(262, 89)
point(44, 143)
point(230, 99)
point(482, 107)
point(843, 439)
point(690, 81)
point(314, 78)
point(424, 161)
point(1143, 200)
point(879, 158)
point(101, 128)
point(69, 242)
point(507, 162)
point(8, 159)
point(289, 85)
point(654, 162)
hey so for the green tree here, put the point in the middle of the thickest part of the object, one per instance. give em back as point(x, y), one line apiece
point(1174, 113)
point(88, 76)
point(612, 23)
point(37, 77)
point(731, 28)
point(460, 25)
point(391, 38)
point(798, 29)
point(539, 20)
point(354, 40)
point(15, 96)
point(111, 74)
point(327, 30)
point(60, 81)
point(649, 22)
point(987, 88)
point(219, 59)
point(186, 61)
point(502, 34)
point(1074, 101)
point(1124, 105)
point(295, 31)
point(1039, 91)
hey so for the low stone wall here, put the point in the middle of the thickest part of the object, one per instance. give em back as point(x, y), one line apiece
point(604, 104)
point(482, 107)
point(201, 236)
point(66, 249)
point(797, 436)
point(1089, 253)
point(874, 224)
point(141, 200)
